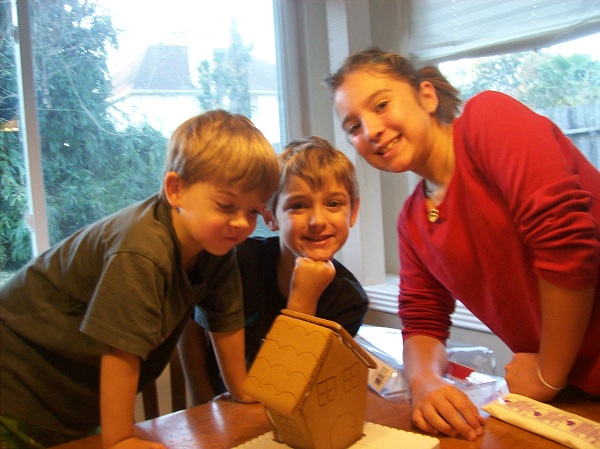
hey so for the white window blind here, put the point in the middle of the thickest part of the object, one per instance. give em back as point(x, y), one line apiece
point(448, 29)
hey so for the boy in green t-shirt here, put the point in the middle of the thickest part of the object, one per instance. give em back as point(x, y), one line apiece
point(90, 322)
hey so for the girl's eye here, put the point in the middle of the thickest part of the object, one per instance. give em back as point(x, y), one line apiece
point(352, 129)
point(381, 106)
point(255, 212)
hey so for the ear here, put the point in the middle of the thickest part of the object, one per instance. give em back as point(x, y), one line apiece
point(428, 97)
point(270, 220)
point(173, 189)
point(354, 214)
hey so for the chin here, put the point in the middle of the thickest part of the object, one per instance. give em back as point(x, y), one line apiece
point(219, 251)
point(320, 256)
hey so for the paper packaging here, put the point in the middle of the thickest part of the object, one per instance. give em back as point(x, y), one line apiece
point(567, 428)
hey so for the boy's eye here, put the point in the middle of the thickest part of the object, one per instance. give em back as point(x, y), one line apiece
point(225, 206)
point(295, 206)
point(334, 204)
point(254, 211)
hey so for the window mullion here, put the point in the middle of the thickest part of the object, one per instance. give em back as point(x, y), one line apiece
point(29, 128)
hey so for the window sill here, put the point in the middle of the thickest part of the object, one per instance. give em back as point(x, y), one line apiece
point(384, 298)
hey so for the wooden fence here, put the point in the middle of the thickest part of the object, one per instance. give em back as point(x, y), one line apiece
point(582, 125)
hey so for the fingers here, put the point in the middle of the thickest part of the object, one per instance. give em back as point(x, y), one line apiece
point(310, 271)
point(450, 413)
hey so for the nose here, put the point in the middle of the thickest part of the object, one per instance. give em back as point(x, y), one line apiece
point(243, 221)
point(372, 128)
point(317, 217)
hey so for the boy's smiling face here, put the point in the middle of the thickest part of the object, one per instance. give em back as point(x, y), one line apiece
point(314, 224)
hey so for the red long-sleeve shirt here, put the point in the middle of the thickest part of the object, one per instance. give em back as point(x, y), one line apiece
point(523, 202)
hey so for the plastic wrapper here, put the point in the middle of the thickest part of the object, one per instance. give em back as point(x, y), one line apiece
point(470, 368)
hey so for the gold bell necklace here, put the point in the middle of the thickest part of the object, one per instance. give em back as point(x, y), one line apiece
point(433, 213)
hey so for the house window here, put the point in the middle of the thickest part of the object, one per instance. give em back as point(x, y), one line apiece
point(351, 377)
point(288, 425)
point(326, 391)
point(110, 87)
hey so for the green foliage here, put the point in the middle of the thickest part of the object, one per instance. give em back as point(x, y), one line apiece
point(224, 83)
point(538, 79)
point(90, 168)
point(15, 241)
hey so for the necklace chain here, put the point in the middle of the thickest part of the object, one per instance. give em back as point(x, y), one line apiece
point(435, 196)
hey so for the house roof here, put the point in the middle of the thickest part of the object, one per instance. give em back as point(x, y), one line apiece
point(166, 68)
point(160, 67)
point(288, 361)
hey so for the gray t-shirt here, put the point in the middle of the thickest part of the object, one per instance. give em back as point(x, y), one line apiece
point(118, 282)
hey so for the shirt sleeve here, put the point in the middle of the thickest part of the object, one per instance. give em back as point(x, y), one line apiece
point(126, 308)
point(539, 173)
point(424, 305)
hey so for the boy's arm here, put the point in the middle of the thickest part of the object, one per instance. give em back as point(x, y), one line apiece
point(309, 280)
point(119, 375)
point(229, 349)
point(193, 349)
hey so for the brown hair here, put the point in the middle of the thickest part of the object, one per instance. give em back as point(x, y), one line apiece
point(400, 68)
point(222, 147)
point(316, 161)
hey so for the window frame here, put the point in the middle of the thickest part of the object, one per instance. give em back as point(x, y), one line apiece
point(312, 40)
point(29, 129)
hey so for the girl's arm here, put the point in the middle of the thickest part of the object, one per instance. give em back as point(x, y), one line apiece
point(437, 406)
point(229, 349)
point(565, 318)
point(119, 375)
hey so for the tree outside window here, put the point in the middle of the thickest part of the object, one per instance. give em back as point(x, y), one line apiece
point(99, 153)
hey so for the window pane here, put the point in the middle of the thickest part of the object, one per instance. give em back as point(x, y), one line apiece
point(561, 82)
point(113, 80)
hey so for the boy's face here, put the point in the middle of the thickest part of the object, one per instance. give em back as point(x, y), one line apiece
point(213, 217)
point(314, 224)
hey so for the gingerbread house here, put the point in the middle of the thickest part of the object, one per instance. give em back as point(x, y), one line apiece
point(311, 376)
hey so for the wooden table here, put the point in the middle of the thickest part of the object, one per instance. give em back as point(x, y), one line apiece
point(224, 424)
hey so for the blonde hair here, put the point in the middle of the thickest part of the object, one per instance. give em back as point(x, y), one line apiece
point(316, 161)
point(222, 147)
point(400, 68)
